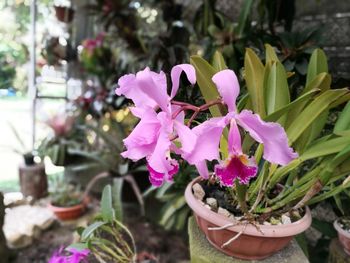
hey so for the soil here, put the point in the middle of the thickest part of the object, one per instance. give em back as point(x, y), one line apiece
point(225, 200)
point(152, 241)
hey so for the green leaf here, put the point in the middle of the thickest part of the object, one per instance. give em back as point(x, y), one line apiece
point(77, 246)
point(322, 82)
point(91, 229)
point(244, 17)
point(343, 122)
point(312, 112)
point(219, 61)
point(323, 148)
point(171, 208)
point(117, 198)
point(305, 97)
point(318, 64)
point(107, 210)
point(276, 89)
point(254, 77)
point(270, 55)
point(204, 74)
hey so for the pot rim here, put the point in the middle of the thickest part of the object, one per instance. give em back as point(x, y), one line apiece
point(267, 231)
point(340, 230)
point(66, 209)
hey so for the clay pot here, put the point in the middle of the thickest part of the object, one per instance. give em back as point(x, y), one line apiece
point(344, 237)
point(68, 213)
point(252, 244)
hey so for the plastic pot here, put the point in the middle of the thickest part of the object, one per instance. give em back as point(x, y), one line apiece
point(344, 237)
point(252, 244)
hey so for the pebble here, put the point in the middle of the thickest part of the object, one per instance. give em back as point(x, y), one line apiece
point(267, 223)
point(212, 203)
point(286, 220)
point(224, 212)
point(198, 191)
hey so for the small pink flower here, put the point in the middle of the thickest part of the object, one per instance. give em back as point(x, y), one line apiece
point(75, 256)
point(61, 124)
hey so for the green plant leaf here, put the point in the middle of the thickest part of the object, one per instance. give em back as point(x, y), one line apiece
point(219, 61)
point(77, 246)
point(107, 209)
point(244, 17)
point(117, 198)
point(343, 122)
point(276, 89)
point(204, 74)
point(254, 77)
point(270, 54)
point(91, 229)
point(295, 103)
point(312, 112)
point(318, 64)
point(323, 148)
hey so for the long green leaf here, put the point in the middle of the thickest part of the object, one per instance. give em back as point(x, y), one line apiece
point(343, 122)
point(91, 229)
point(276, 89)
point(254, 76)
point(107, 210)
point(312, 112)
point(204, 74)
point(244, 17)
point(324, 148)
point(218, 61)
point(117, 198)
point(318, 64)
point(270, 54)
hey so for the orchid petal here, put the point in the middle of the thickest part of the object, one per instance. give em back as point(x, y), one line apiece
point(176, 73)
point(202, 169)
point(186, 137)
point(236, 167)
point(142, 140)
point(157, 179)
point(130, 88)
point(227, 83)
point(272, 135)
point(234, 139)
point(208, 138)
point(154, 85)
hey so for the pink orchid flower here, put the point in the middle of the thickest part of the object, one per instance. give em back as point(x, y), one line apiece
point(238, 165)
point(160, 122)
point(75, 256)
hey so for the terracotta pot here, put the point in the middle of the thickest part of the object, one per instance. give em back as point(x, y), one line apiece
point(68, 213)
point(344, 237)
point(252, 244)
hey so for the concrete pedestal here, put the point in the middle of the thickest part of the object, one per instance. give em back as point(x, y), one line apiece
point(202, 252)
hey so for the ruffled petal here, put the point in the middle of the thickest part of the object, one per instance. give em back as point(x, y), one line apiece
point(130, 88)
point(272, 135)
point(157, 179)
point(208, 138)
point(236, 167)
point(142, 140)
point(154, 85)
point(176, 73)
point(227, 83)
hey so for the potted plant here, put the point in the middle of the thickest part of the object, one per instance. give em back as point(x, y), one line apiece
point(32, 176)
point(342, 225)
point(66, 200)
point(255, 201)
